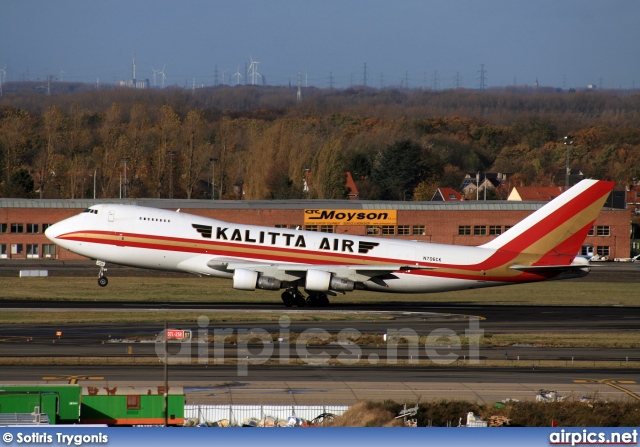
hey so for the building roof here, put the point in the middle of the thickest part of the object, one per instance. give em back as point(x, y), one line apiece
point(446, 195)
point(351, 186)
point(545, 193)
point(466, 205)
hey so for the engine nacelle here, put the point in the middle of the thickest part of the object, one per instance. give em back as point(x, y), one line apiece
point(244, 279)
point(321, 281)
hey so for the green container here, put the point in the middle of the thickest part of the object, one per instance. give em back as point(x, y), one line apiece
point(60, 402)
point(126, 405)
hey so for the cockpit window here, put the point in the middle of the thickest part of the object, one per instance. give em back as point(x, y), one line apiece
point(89, 210)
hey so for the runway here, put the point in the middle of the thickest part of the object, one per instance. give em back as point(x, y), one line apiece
point(495, 319)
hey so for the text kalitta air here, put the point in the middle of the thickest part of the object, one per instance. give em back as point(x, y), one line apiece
point(350, 217)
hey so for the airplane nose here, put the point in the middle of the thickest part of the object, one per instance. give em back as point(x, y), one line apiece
point(51, 232)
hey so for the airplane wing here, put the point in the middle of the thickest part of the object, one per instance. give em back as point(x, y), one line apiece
point(289, 272)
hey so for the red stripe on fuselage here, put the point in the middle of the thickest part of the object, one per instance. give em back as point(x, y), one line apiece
point(277, 254)
point(222, 248)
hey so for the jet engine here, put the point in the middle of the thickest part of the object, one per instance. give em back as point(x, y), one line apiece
point(244, 279)
point(321, 281)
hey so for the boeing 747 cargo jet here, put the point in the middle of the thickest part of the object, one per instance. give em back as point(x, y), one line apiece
point(543, 246)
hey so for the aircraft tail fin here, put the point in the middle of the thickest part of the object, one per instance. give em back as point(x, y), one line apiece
point(554, 234)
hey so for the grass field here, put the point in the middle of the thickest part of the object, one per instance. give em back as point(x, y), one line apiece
point(192, 289)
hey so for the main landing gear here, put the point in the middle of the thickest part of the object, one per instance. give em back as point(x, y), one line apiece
point(102, 279)
point(292, 297)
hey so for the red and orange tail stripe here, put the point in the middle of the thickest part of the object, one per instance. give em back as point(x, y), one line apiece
point(554, 234)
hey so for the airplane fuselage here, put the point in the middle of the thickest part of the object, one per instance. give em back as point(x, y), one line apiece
point(167, 240)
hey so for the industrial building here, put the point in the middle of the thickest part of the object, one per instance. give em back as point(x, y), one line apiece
point(23, 221)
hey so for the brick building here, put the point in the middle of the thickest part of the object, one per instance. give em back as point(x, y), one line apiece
point(23, 222)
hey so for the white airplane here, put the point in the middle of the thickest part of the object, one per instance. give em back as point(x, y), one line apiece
point(543, 246)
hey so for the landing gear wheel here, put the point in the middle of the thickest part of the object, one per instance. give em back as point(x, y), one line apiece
point(299, 299)
point(323, 301)
point(287, 298)
point(103, 281)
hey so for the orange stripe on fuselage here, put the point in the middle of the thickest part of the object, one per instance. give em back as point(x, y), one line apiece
point(278, 254)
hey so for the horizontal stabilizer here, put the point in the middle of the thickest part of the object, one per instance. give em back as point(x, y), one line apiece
point(549, 268)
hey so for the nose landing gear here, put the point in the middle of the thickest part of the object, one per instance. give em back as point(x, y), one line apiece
point(102, 279)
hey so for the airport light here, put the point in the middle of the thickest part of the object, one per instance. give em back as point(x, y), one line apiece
point(171, 154)
point(568, 141)
point(125, 160)
point(213, 177)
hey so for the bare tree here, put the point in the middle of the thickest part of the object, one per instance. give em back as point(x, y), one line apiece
point(195, 150)
point(15, 133)
point(45, 158)
point(161, 161)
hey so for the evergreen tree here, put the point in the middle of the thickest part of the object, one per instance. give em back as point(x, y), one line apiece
point(400, 167)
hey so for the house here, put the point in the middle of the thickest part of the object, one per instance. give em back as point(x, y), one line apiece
point(352, 189)
point(446, 195)
point(475, 184)
point(543, 193)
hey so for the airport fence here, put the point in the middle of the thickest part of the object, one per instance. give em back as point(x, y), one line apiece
point(237, 414)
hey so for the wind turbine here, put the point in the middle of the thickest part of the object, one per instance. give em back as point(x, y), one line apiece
point(237, 75)
point(3, 77)
point(253, 71)
point(155, 72)
point(61, 73)
point(163, 76)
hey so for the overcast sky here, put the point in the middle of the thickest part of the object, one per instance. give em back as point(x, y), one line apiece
point(562, 43)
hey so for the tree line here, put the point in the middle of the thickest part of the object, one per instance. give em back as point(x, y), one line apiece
point(260, 143)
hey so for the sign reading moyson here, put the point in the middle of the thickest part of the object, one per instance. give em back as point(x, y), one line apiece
point(350, 217)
